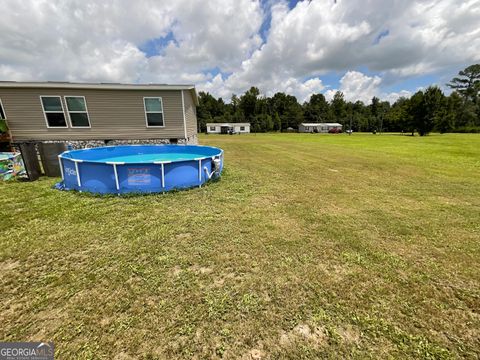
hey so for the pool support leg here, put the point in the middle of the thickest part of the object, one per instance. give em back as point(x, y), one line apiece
point(199, 172)
point(163, 175)
point(115, 173)
point(61, 167)
point(78, 173)
point(117, 184)
point(162, 167)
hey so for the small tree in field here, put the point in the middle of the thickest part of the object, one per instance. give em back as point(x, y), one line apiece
point(468, 83)
point(434, 103)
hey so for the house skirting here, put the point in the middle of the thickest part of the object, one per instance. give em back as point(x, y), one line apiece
point(81, 144)
point(33, 151)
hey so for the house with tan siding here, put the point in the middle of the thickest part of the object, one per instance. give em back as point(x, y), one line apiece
point(96, 114)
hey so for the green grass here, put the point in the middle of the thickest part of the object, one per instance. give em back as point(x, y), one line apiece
point(310, 246)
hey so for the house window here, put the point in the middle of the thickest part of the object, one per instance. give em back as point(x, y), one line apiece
point(212, 128)
point(53, 111)
point(77, 111)
point(154, 111)
point(2, 112)
point(242, 128)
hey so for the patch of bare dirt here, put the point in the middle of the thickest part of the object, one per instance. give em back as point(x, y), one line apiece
point(256, 353)
point(46, 323)
point(123, 356)
point(303, 332)
point(176, 271)
point(105, 322)
point(349, 334)
point(8, 265)
point(200, 269)
point(183, 236)
point(219, 282)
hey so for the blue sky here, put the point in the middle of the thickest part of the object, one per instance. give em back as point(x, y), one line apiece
point(155, 46)
point(386, 48)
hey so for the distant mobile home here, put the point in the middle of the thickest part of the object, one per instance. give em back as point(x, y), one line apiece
point(226, 128)
point(318, 127)
point(95, 114)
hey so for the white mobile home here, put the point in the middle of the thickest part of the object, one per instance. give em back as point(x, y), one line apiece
point(228, 128)
point(319, 127)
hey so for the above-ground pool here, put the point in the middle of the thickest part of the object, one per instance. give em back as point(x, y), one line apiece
point(139, 168)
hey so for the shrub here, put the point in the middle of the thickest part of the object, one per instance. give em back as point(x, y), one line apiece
point(3, 126)
point(468, 129)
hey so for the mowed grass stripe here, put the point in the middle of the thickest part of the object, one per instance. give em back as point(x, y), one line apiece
point(309, 246)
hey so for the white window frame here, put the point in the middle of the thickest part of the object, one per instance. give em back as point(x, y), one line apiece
point(213, 128)
point(3, 110)
point(242, 128)
point(58, 112)
point(77, 112)
point(153, 112)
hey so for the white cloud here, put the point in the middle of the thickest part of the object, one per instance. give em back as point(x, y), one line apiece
point(357, 86)
point(216, 86)
point(395, 39)
point(303, 90)
point(212, 34)
point(86, 40)
point(300, 89)
point(100, 41)
point(394, 96)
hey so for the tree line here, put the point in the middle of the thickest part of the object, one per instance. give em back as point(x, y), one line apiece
point(425, 111)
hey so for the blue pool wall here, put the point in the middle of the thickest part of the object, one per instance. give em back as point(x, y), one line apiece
point(83, 170)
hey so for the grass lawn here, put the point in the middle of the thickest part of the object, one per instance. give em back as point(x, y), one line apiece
point(310, 246)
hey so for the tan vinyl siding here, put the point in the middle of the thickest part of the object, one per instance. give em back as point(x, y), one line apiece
point(190, 113)
point(114, 114)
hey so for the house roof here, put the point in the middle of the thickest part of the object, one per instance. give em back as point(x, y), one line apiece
point(321, 124)
point(100, 86)
point(228, 124)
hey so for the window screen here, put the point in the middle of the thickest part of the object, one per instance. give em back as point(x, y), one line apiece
point(53, 110)
point(154, 111)
point(77, 111)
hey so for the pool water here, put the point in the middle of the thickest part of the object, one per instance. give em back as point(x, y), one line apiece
point(139, 158)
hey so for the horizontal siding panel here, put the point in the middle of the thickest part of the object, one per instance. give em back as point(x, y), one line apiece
point(99, 136)
point(114, 114)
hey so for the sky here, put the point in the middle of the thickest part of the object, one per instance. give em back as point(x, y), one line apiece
point(364, 48)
